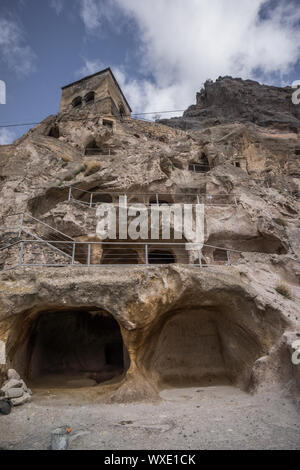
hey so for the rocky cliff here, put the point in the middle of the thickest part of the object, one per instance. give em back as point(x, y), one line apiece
point(237, 150)
point(229, 100)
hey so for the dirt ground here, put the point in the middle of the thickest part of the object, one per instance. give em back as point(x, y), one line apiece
point(217, 417)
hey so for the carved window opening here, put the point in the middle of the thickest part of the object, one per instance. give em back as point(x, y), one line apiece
point(92, 149)
point(220, 255)
point(200, 167)
point(77, 102)
point(90, 97)
point(108, 123)
point(54, 132)
point(122, 110)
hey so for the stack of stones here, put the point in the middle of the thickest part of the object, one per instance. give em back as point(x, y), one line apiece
point(15, 390)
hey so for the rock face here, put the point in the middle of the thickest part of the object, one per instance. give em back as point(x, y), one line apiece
point(229, 100)
point(76, 313)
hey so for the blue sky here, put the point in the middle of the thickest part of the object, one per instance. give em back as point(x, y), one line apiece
point(160, 50)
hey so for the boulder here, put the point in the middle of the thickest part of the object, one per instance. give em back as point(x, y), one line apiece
point(13, 374)
point(5, 407)
point(12, 383)
point(21, 400)
point(15, 393)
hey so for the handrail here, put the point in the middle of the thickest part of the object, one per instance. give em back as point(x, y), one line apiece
point(138, 256)
point(25, 214)
point(10, 245)
point(118, 243)
point(108, 191)
point(201, 198)
point(48, 226)
point(49, 243)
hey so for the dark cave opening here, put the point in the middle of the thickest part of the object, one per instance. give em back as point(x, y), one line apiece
point(92, 149)
point(161, 257)
point(117, 255)
point(54, 132)
point(73, 347)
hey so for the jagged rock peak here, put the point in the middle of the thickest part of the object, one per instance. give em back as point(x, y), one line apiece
point(230, 100)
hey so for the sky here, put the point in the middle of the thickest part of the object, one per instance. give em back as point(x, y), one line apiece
point(161, 51)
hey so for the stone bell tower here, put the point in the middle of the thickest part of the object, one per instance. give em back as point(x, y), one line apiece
point(100, 91)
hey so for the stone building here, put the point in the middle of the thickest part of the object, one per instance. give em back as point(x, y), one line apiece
point(100, 91)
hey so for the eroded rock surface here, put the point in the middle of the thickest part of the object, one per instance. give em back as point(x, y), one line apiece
point(164, 325)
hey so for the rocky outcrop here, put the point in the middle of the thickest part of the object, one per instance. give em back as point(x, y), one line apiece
point(161, 311)
point(229, 100)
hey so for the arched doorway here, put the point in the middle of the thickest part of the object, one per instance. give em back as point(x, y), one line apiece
point(116, 255)
point(161, 257)
point(201, 347)
point(75, 348)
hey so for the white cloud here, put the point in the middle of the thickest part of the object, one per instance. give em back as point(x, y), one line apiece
point(147, 97)
point(6, 136)
point(57, 5)
point(89, 67)
point(94, 12)
point(13, 51)
point(182, 43)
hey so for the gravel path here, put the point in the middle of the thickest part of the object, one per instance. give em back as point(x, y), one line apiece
point(189, 418)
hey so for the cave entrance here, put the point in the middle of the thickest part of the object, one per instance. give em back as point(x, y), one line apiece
point(99, 198)
point(92, 149)
point(112, 255)
point(199, 347)
point(74, 348)
point(220, 255)
point(54, 132)
point(202, 166)
point(161, 257)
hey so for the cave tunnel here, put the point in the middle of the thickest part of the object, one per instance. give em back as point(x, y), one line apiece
point(72, 348)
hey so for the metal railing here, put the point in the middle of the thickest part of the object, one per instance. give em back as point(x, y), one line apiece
point(199, 168)
point(23, 219)
point(90, 152)
point(36, 229)
point(93, 199)
point(30, 253)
